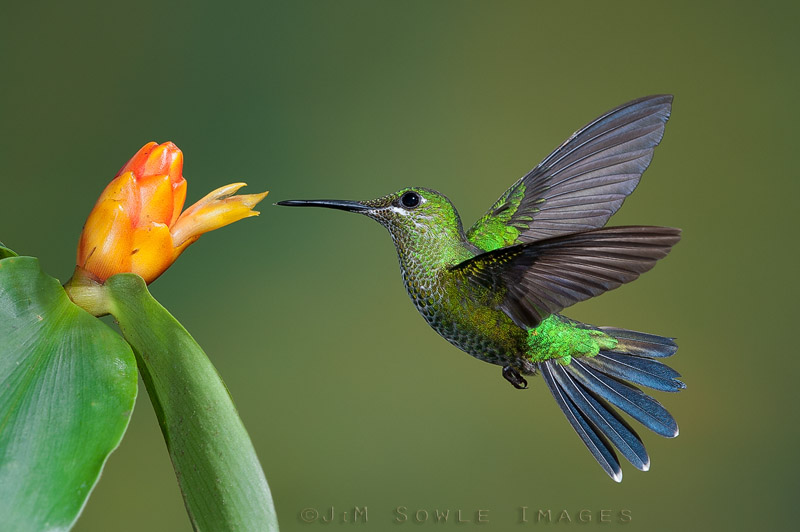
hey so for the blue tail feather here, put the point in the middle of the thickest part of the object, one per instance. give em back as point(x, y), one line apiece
point(604, 419)
point(594, 441)
point(629, 399)
point(589, 387)
point(637, 370)
point(641, 344)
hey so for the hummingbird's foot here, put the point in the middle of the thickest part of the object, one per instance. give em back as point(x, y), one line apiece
point(513, 376)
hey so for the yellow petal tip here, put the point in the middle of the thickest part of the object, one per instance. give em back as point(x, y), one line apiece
point(219, 208)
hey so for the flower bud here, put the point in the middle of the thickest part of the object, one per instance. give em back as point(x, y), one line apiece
point(136, 225)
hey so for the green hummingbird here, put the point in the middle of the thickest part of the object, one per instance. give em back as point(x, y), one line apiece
point(495, 290)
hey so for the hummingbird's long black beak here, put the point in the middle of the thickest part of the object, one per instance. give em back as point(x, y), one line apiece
point(344, 205)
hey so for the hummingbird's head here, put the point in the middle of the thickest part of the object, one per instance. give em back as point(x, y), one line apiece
point(413, 215)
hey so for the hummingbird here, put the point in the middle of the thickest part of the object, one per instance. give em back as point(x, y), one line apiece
point(495, 290)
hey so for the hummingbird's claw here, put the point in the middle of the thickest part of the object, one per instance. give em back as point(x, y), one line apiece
point(513, 376)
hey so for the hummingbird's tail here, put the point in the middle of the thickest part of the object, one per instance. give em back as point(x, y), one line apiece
point(587, 387)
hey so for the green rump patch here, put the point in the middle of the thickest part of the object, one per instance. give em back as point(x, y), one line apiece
point(558, 338)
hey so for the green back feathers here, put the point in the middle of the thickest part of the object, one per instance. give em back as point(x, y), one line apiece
point(497, 228)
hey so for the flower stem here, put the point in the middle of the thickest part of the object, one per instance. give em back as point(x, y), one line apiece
point(87, 293)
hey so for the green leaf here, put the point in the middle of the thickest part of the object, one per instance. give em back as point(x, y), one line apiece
point(218, 471)
point(67, 389)
point(5, 252)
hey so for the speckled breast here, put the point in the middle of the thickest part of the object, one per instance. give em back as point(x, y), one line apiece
point(454, 318)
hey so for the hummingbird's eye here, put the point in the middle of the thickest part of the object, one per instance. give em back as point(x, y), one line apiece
point(410, 200)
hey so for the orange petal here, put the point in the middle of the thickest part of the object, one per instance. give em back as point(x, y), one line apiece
point(175, 168)
point(164, 159)
point(217, 209)
point(178, 199)
point(105, 244)
point(152, 251)
point(123, 190)
point(137, 162)
point(155, 197)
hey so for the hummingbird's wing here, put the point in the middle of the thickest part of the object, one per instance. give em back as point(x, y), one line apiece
point(582, 183)
point(540, 278)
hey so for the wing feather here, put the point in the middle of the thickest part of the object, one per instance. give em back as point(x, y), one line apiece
point(544, 277)
point(583, 182)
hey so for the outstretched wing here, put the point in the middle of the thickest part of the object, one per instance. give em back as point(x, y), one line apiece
point(540, 278)
point(582, 183)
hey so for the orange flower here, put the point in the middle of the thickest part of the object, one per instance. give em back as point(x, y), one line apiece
point(137, 226)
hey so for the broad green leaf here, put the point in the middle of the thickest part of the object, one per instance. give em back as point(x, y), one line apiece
point(5, 252)
point(218, 471)
point(67, 389)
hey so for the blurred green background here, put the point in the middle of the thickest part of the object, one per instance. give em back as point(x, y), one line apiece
point(350, 398)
